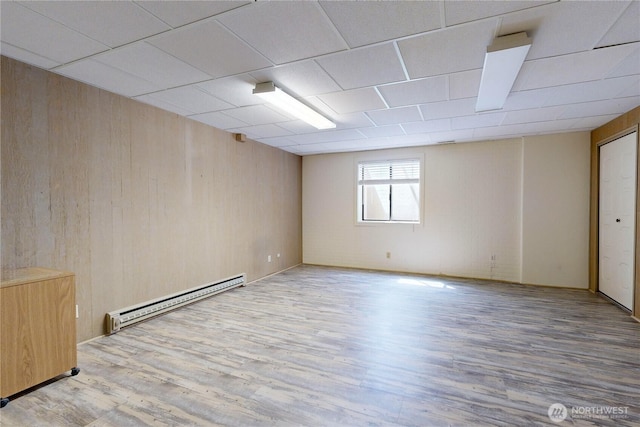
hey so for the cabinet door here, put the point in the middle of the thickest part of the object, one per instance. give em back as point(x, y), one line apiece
point(38, 339)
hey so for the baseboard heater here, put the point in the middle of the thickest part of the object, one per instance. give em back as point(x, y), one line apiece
point(119, 319)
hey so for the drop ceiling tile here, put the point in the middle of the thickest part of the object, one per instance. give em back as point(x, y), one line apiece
point(527, 99)
point(628, 66)
point(178, 13)
point(317, 104)
point(262, 131)
point(392, 116)
point(293, 149)
point(297, 30)
point(326, 136)
point(382, 131)
point(364, 67)
point(354, 120)
point(415, 92)
point(191, 99)
point(359, 22)
point(27, 57)
point(337, 147)
point(363, 145)
point(354, 145)
point(304, 78)
point(446, 109)
point(347, 121)
point(149, 99)
point(451, 50)
point(257, 115)
point(307, 150)
point(218, 120)
point(563, 27)
point(455, 135)
point(211, 48)
point(384, 142)
point(626, 29)
point(533, 115)
point(541, 128)
point(417, 139)
point(600, 108)
point(498, 132)
point(477, 121)
point(458, 12)
point(298, 127)
point(590, 123)
point(590, 86)
point(438, 125)
point(549, 127)
point(304, 150)
point(571, 68)
point(633, 89)
point(236, 90)
point(589, 91)
point(465, 84)
point(280, 142)
point(353, 101)
point(113, 23)
point(152, 64)
point(32, 32)
point(97, 74)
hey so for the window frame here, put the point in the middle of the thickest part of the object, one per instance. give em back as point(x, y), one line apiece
point(419, 157)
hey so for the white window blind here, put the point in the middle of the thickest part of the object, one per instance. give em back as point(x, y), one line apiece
point(389, 191)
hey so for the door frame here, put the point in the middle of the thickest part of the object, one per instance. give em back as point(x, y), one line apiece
point(594, 243)
point(614, 290)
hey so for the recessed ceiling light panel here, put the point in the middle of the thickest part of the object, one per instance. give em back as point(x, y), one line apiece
point(276, 96)
point(502, 63)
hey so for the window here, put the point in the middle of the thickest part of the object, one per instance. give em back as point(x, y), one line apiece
point(389, 191)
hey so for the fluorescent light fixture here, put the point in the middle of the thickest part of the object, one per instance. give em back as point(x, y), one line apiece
point(502, 63)
point(274, 95)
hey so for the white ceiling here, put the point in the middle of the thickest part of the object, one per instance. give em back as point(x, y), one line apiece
point(390, 74)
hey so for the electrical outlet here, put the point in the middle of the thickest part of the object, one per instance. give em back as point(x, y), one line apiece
point(388, 254)
point(77, 312)
point(268, 258)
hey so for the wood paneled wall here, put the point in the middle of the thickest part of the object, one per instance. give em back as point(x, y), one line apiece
point(614, 129)
point(137, 201)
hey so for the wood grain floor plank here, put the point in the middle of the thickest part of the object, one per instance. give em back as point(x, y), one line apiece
point(318, 346)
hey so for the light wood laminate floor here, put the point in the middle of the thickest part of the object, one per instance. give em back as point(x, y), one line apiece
point(316, 346)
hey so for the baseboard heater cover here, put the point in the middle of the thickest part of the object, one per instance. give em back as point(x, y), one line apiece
point(119, 319)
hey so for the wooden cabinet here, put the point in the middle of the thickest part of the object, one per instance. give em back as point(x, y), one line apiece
point(37, 328)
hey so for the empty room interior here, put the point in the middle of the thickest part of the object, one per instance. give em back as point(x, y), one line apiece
point(320, 213)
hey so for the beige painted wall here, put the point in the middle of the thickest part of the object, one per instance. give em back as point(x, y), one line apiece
point(471, 212)
point(474, 195)
point(138, 202)
point(555, 220)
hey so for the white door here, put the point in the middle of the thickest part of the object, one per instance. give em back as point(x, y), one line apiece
point(618, 219)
